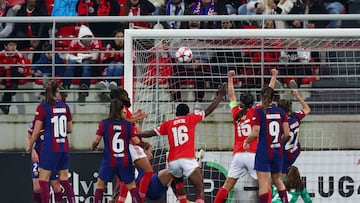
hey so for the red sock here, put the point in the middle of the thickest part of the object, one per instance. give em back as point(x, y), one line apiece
point(221, 195)
point(135, 195)
point(98, 195)
point(44, 191)
point(37, 197)
point(182, 198)
point(264, 198)
point(283, 196)
point(68, 190)
point(58, 197)
point(122, 193)
point(144, 184)
point(199, 200)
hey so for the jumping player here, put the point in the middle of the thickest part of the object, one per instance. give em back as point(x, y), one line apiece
point(270, 125)
point(181, 136)
point(292, 146)
point(117, 134)
point(54, 116)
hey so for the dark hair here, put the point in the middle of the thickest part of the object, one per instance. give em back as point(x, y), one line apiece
point(182, 110)
point(116, 107)
point(293, 180)
point(122, 95)
point(266, 95)
point(247, 100)
point(50, 91)
point(286, 105)
point(46, 47)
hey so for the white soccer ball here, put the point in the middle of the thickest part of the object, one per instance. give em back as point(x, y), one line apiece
point(184, 55)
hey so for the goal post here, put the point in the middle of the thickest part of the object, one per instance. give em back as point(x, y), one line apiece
point(322, 62)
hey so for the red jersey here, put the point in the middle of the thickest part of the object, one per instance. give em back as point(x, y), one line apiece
point(181, 135)
point(76, 48)
point(243, 129)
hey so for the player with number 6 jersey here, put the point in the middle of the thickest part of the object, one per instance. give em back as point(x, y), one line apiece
point(117, 134)
point(181, 137)
point(54, 116)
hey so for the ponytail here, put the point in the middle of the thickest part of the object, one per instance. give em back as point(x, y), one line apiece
point(267, 94)
point(247, 100)
point(50, 91)
point(116, 108)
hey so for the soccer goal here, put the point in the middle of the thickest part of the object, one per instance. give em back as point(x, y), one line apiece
point(323, 63)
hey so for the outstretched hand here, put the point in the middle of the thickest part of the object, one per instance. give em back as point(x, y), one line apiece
point(222, 89)
point(231, 73)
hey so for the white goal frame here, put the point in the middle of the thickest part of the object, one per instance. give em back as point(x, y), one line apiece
point(130, 34)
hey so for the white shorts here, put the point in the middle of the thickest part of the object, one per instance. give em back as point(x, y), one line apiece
point(241, 164)
point(183, 167)
point(136, 152)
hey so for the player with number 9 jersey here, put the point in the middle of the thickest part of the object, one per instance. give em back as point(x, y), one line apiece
point(270, 136)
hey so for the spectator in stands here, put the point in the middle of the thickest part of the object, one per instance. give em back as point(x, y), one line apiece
point(43, 66)
point(204, 7)
point(226, 59)
point(334, 7)
point(193, 71)
point(82, 56)
point(12, 65)
point(138, 8)
point(174, 8)
point(33, 51)
point(271, 7)
point(6, 11)
point(158, 5)
point(295, 187)
point(295, 61)
point(114, 60)
point(308, 7)
point(100, 8)
point(30, 29)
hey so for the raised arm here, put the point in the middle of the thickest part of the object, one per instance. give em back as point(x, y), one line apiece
point(217, 100)
point(148, 133)
point(231, 86)
point(274, 74)
point(306, 108)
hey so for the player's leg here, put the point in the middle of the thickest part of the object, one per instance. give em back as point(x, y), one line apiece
point(64, 181)
point(223, 192)
point(35, 181)
point(123, 191)
point(44, 178)
point(135, 196)
point(197, 180)
point(141, 161)
point(99, 192)
point(237, 169)
point(264, 186)
point(276, 178)
point(55, 184)
point(178, 187)
point(63, 173)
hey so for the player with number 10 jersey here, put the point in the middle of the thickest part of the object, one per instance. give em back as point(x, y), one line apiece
point(55, 118)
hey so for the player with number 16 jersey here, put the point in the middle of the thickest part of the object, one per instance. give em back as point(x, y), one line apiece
point(181, 135)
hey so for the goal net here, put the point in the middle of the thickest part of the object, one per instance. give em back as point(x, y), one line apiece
point(322, 63)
